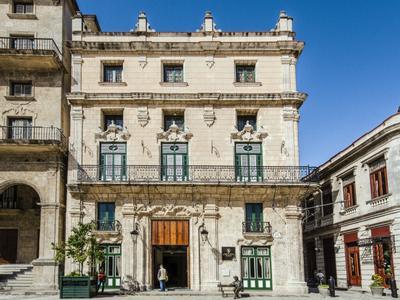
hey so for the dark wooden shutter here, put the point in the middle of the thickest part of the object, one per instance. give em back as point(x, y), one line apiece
point(170, 232)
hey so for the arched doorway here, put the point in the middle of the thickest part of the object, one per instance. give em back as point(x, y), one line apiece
point(19, 224)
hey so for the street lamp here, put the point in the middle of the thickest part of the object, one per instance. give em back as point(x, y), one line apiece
point(204, 233)
point(135, 232)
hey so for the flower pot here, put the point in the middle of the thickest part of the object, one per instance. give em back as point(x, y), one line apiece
point(78, 287)
point(377, 290)
point(324, 292)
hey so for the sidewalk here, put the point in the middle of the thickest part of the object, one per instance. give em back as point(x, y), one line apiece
point(183, 295)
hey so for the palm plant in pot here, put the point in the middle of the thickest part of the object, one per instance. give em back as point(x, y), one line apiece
point(81, 247)
point(377, 285)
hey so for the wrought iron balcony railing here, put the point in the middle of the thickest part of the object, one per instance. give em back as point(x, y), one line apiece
point(23, 44)
point(32, 134)
point(257, 227)
point(196, 173)
point(108, 225)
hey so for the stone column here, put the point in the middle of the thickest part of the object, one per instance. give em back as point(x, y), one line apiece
point(143, 253)
point(128, 257)
point(210, 258)
point(45, 271)
point(75, 156)
point(290, 146)
point(340, 257)
point(293, 81)
point(286, 74)
point(295, 263)
point(76, 71)
point(195, 247)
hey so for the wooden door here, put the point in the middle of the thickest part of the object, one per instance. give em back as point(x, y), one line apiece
point(8, 250)
point(353, 265)
point(170, 233)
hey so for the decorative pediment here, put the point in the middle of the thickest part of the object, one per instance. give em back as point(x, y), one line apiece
point(19, 110)
point(168, 210)
point(174, 134)
point(209, 115)
point(254, 240)
point(143, 115)
point(113, 133)
point(249, 134)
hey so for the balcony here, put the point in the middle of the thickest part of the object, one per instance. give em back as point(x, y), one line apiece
point(256, 227)
point(108, 225)
point(196, 174)
point(29, 53)
point(31, 138)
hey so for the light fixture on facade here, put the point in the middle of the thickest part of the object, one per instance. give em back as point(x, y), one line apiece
point(135, 231)
point(204, 233)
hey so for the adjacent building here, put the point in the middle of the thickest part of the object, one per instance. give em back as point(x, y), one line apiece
point(185, 152)
point(34, 123)
point(352, 225)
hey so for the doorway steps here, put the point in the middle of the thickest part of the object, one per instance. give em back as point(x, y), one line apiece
point(15, 277)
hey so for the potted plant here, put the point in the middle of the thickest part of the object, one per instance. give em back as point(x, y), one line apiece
point(82, 247)
point(323, 290)
point(377, 285)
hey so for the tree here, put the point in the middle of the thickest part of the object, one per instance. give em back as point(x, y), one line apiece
point(81, 247)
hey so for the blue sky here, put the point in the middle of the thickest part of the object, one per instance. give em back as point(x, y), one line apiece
point(350, 66)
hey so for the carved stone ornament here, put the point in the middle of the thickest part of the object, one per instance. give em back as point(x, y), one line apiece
point(114, 133)
point(209, 115)
point(249, 134)
point(56, 2)
point(168, 210)
point(143, 116)
point(19, 110)
point(254, 240)
point(210, 61)
point(174, 134)
point(142, 61)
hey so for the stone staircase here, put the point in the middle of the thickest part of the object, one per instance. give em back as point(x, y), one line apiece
point(15, 277)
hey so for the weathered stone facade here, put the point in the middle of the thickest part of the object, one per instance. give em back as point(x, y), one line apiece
point(364, 225)
point(209, 195)
point(34, 77)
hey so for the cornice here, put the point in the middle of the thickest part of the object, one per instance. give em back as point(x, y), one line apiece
point(193, 48)
point(294, 98)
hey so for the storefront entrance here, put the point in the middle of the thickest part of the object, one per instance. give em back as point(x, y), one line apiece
point(112, 265)
point(256, 268)
point(352, 259)
point(170, 247)
point(174, 259)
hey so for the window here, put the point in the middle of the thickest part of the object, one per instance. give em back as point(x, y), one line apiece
point(179, 121)
point(242, 120)
point(20, 128)
point(21, 89)
point(112, 73)
point(23, 7)
point(254, 217)
point(245, 73)
point(248, 163)
point(106, 216)
point(173, 73)
point(327, 200)
point(174, 161)
point(22, 42)
point(117, 120)
point(378, 179)
point(113, 161)
point(349, 192)
point(8, 199)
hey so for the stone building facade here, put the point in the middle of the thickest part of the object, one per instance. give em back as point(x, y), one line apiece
point(352, 225)
point(34, 123)
point(186, 154)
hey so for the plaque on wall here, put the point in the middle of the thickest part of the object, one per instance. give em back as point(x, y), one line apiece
point(228, 253)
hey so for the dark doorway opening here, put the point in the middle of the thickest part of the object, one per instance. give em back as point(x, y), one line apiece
point(311, 258)
point(329, 257)
point(174, 259)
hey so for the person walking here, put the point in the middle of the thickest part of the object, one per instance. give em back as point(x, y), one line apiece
point(162, 277)
point(237, 287)
point(101, 280)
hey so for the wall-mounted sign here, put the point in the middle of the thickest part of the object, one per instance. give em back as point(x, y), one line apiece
point(228, 253)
